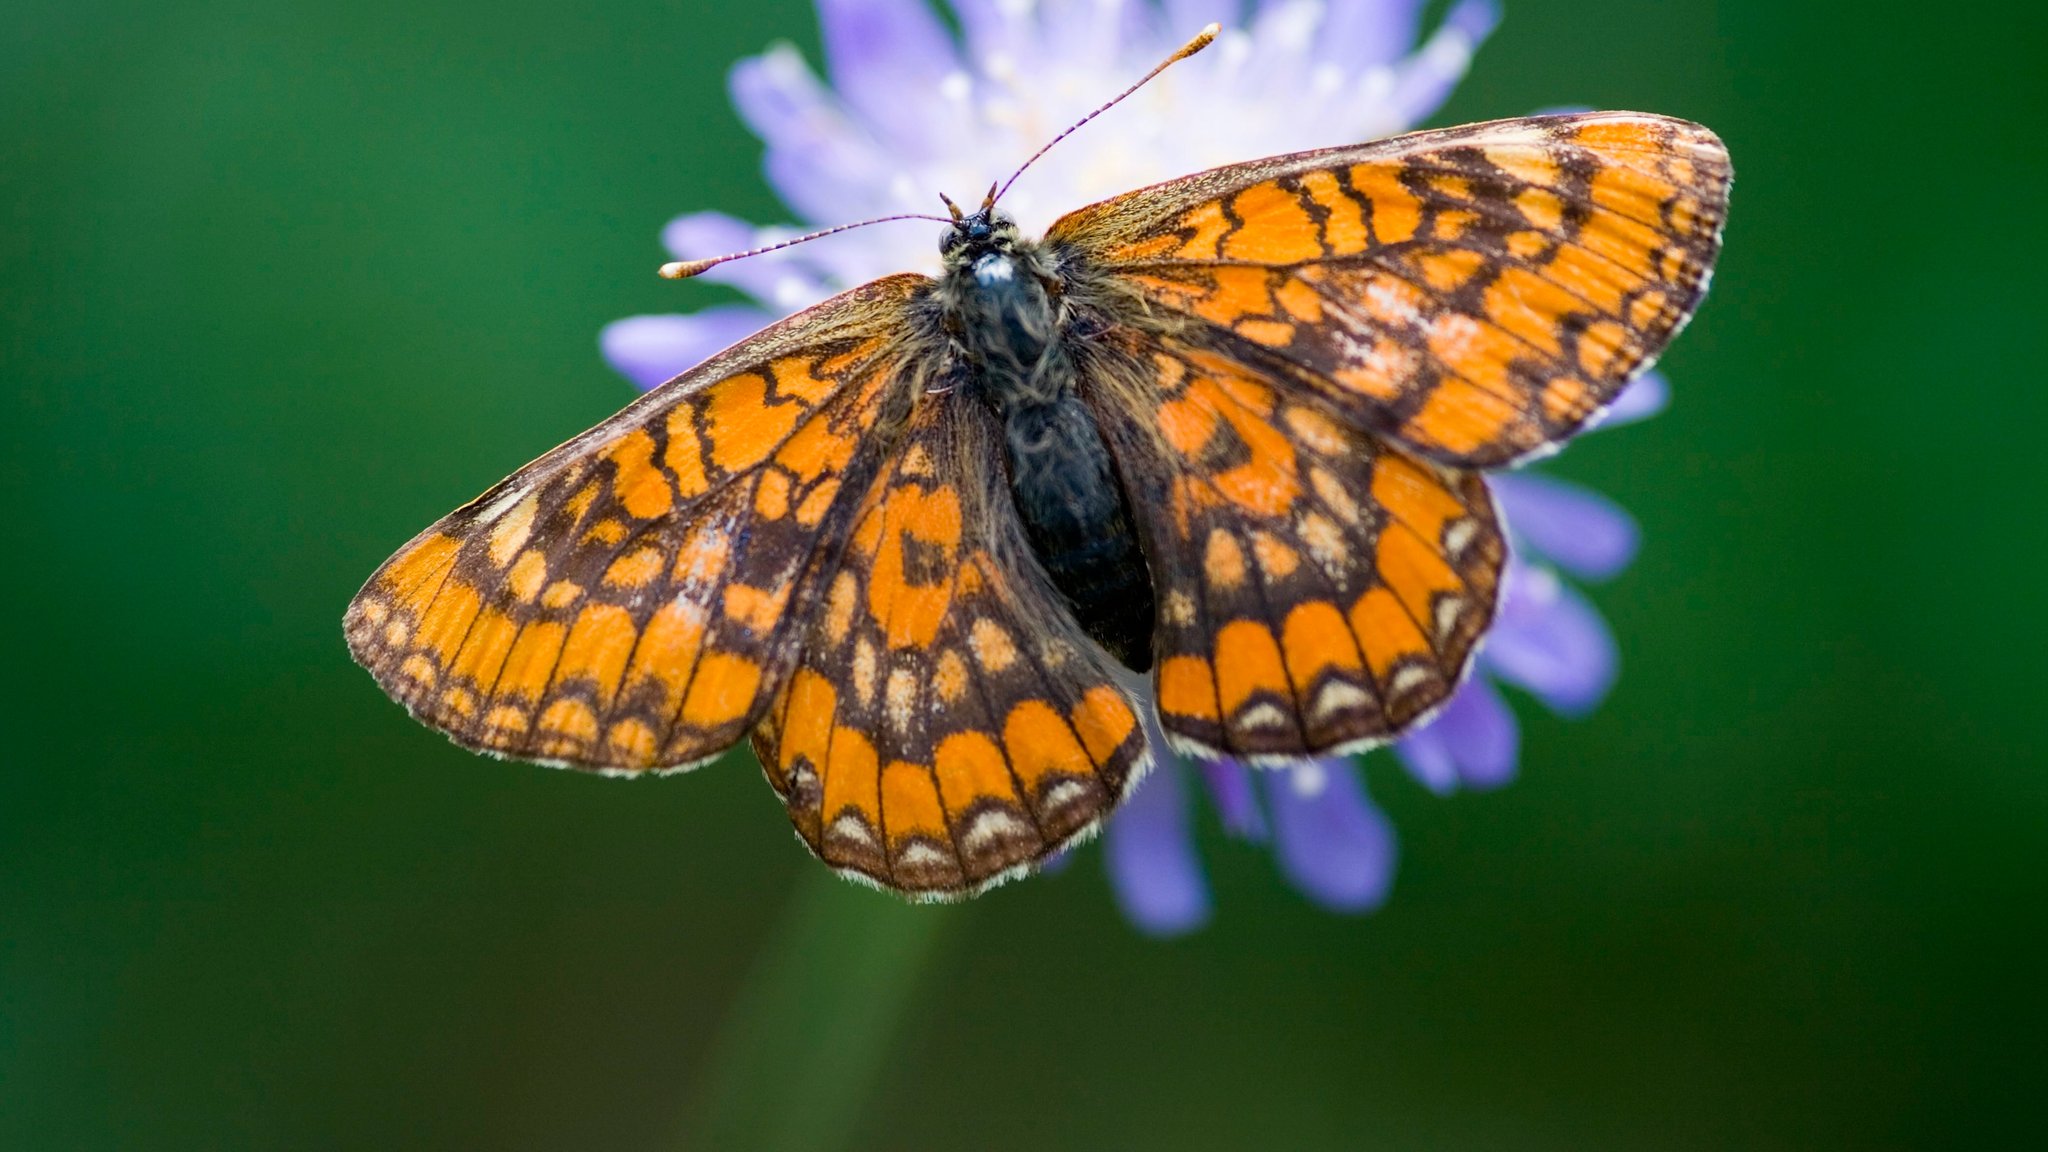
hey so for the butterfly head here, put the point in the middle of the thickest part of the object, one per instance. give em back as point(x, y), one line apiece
point(971, 237)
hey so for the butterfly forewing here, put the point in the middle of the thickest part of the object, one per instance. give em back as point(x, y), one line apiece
point(948, 725)
point(1477, 294)
point(632, 599)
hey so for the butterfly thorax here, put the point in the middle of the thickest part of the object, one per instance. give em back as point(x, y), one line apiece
point(1005, 310)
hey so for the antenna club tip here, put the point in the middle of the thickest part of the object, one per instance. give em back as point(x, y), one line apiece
point(1201, 39)
point(684, 269)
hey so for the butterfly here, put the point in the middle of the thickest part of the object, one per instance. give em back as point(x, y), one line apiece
point(1201, 467)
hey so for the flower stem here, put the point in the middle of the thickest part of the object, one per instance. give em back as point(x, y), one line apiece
point(807, 1034)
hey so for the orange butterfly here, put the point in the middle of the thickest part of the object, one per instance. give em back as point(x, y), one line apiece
point(919, 541)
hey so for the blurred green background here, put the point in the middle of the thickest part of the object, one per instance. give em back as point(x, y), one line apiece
point(285, 281)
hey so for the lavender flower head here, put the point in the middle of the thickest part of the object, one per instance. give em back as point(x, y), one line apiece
point(912, 110)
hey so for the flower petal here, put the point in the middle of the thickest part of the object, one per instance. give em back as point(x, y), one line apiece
point(1428, 759)
point(1647, 396)
point(1236, 801)
point(1477, 734)
point(1331, 841)
point(821, 163)
point(1087, 34)
point(886, 57)
point(1428, 76)
point(1551, 642)
point(1574, 527)
point(1280, 50)
point(650, 349)
point(1149, 849)
point(1357, 35)
point(988, 26)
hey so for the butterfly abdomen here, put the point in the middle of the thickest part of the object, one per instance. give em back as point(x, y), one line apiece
point(1074, 515)
point(1061, 478)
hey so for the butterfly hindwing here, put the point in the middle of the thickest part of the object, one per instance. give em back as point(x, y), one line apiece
point(1477, 294)
point(632, 599)
point(948, 726)
point(1318, 589)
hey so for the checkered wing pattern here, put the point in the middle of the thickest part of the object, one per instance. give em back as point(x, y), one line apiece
point(634, 599)
point(948, 725)
point(1318, 589)
point(1477, 295)
point(1298, 366)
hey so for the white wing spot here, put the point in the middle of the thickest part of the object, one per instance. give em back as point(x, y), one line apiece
point(919, 853)
point(1338, 696)
point(1458, 535)
point(902, 695)
point(496, 508)
point(990, 826)
point(1448, 610)
point(1408, 677)
point(1062, 794)
point(1262, 715)
point(852, 827)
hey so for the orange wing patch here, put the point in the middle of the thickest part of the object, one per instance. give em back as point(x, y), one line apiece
point(1477, 295)
point(1318, 590)
point(1005, 734)
point(625, 602)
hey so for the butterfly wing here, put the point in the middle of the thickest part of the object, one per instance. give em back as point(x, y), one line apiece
point(632, 599)
point(1318, 589)
point(1477, 295)
point(948, 725)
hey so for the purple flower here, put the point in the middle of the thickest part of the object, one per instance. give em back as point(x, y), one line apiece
point(912, 110)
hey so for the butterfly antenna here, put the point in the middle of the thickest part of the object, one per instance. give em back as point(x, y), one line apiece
point(1202, 40)
point(684, 269)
